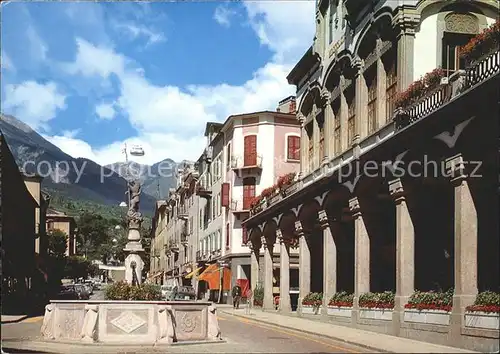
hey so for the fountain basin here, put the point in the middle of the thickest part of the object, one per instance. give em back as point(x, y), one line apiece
point(130, 322)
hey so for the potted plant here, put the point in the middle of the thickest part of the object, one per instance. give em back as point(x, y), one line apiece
point(485, 313)
point(481, 45)
point(340, 304)
point(258, 296)
point(377, 306)
point(311, 303)
point(429, 307)
point(267, 193)
point(420, 88)
point(285, 181)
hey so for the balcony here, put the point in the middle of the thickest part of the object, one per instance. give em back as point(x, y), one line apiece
point(202, 192)
point(447, 90)
point(209, 154)
point(239, 207)
point(247, 168)
point(183, 213)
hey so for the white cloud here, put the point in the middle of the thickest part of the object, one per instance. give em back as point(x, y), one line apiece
point(170, 120)
point(38, 48)
point(223, 14)
point(7, 62)
point(71, 133)
point(34, 103)
point(105, 111)
point(136, 31)
point(287, 28)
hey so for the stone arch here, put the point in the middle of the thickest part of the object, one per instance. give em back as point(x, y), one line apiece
point(308, 214)
point(254, 236)
point(287, 224)
point(340, 64)
point(269, 230)
point(429, 7)
point(379, 26)
point(311, 96)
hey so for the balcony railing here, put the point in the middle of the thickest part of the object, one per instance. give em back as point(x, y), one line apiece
point(203, 192)
point(239, 163)
point(455, 85)
point(240, 206)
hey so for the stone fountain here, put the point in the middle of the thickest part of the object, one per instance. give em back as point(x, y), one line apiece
point(134, 263)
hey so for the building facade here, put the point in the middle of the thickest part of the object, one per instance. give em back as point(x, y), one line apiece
point(58, 220)
point(394, 108)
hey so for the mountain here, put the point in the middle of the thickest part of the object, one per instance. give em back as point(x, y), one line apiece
point(77, 179)
point(156, 179)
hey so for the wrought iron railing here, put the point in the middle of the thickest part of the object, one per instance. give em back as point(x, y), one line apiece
point(455, 85)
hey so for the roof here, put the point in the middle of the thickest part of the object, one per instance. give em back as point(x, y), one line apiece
point(211, 125)
point(303, 66)
point(290, 116)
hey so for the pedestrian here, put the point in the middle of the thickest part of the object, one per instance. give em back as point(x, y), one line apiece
point(236, 296)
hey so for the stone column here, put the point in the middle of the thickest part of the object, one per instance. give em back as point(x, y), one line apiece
point(329, 260)
point(381, 91)
point(268, 274)
point(254, 265)
point(327, 126)
point(405, 254)
point(344, 144)
point(361, 256)
point(406, 23)
point(303, 153)
point(304, 264)
point(285, 304)
point(361, 99)
point(465, 254)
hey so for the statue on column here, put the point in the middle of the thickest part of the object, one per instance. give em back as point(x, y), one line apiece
point(133, 263)
point(134, 216)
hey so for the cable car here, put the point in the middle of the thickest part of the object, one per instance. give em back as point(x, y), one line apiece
point(136, 150)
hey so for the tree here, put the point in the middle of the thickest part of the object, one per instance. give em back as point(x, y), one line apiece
point(57, 243)
point(76, 267)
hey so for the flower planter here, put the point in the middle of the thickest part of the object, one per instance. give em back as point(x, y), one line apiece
point(375, 314)
point(310, 310)
point(339, 311)
point(439, 317)
point(482, 320)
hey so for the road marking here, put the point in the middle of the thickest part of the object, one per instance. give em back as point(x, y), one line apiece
point(301, 336)
point(33, 319)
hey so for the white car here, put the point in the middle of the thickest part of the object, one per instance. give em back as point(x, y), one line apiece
point(166, 291)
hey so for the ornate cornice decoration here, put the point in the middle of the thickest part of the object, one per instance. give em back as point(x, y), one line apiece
point(323, 219)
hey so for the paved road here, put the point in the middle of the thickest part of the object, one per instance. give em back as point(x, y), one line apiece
point(241, 336)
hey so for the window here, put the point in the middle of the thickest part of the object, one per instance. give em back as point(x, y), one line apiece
point(336, 132)
point(451, 50)
point(228, 157)
point(248, 192)
point(371, 83)
point(351, 115)
point(250, 150)
point(320, 118)
point(227, 236)
point(219, 239)
point(293, 148)
point(391, 85)
point(330, 22)
point(244, 235)
point(310, 145)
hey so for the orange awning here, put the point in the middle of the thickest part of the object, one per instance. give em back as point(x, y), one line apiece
point(212, 276)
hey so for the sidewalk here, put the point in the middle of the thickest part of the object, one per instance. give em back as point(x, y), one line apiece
point(371, 340)
point(13, 319)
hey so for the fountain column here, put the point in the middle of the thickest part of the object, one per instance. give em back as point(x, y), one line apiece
point(133, 248)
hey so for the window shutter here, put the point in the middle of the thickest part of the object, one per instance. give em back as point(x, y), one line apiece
point(225, 195)
point(227, 235)
point(250, 148)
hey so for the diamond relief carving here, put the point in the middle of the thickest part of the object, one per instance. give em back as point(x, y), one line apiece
point(128, 322)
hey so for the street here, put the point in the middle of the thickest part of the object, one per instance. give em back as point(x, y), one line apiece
point(240, 335)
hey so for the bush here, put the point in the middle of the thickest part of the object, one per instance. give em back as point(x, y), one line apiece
point(487, 301)
point(124, 291)
point(431, 300)
point(383, 300)
point(341, 299)
point(313, 299)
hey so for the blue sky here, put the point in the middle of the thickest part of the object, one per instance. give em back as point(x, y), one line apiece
point(91, 76)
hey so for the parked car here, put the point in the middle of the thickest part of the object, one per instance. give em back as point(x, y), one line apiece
point(184, 293)
point(68, 292)
point(82, 291)
point(166, 292)
point(90, 286)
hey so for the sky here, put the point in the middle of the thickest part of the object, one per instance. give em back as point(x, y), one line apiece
point(92, 76)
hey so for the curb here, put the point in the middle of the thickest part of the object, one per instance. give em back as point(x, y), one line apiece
point(19, 319)
point(310, 333)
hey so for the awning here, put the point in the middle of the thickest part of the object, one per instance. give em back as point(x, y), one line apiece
point(212, 276)
point(193, 273)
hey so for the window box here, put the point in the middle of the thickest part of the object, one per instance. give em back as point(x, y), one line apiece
point(488, 320)
point(339, 311)
point(310, 310)
point(375, 314)
point(439, 317)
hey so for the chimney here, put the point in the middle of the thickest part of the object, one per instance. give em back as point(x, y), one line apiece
point(287, 105)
